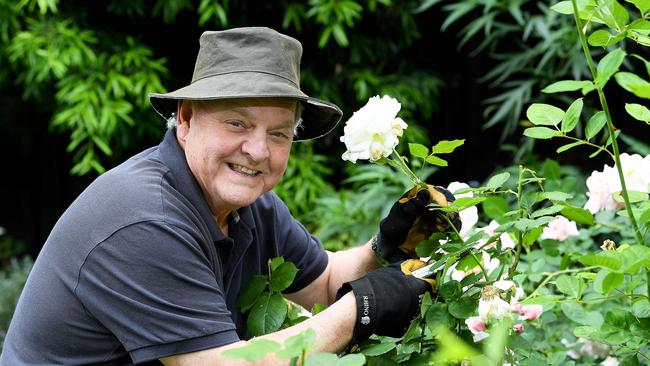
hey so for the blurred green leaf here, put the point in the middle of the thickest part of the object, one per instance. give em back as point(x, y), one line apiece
point(566, 85)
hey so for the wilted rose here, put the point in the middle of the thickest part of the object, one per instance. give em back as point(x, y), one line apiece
point(372, 132)
point(491, 306)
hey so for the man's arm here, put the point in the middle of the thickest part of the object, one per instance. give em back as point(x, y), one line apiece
point(333, 327)
point(343, 266)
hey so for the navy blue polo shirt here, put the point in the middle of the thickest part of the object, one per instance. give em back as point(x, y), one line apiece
point(137, 269)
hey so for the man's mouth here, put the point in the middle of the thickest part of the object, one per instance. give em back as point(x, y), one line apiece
point(243, 170)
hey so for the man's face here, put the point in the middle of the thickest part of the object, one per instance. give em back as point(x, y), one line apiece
point(236, 149)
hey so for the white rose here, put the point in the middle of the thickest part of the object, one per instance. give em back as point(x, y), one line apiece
point(372, 132)
point(601, 186)
point(636, 171)
point(468, 216)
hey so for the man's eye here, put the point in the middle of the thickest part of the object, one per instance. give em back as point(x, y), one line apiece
point(236, 123)
point(281, 135)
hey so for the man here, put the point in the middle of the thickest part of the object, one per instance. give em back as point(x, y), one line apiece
point(147, 263)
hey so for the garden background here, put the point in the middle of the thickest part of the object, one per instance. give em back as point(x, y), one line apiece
point(74, 77)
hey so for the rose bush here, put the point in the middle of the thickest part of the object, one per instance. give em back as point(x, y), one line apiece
point(546, 270)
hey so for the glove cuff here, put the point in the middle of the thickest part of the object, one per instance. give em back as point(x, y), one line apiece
point(387, 254)
point(366, 302)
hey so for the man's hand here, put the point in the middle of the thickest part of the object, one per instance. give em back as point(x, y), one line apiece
point(387, 299)
point(410, 222)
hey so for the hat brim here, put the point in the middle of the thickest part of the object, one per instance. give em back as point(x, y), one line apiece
point(318, 117)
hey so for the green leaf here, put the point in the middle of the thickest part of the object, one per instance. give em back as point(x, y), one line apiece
point(608, 66)
point(641, 308)
point(634, 257)
point(633, 196)
point(267, 314)
point(642, 5)
point(446, 146)
point(551, 210)
point(322, 359)
point(608, 260)
point(495, 207)
point(497, 181)
point(602, 38)
point(275, 263)
point(566, 147)
point(451, 347)
point(434, 160)
point(437, 315)
point(638, 111)
point(282, 276)
point(451, 290)
point(544, 114)
point(579, 315)
point(465, 202)
point(353, 359)
point(595, 124)
point(541, 132)
point(567, 85)
point(577, 214)
point(612, 14)
point(569, 285)
point(254, 351)
point(553, 196)
point(378, 349)
point(634, 84)
point(606, 281)
point(572, 116)
point(495, 345)
point(540, 300)
point(295, 345)
point(251, 291)
point(418, 150)
point(462, 308)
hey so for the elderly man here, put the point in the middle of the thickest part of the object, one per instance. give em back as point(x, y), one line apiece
point(148, 261)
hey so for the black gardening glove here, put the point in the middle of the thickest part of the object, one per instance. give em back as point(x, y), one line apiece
point(387, 299)
point(410, 222)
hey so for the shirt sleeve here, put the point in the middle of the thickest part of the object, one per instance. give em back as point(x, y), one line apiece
point(151, 285)
point(297, 245)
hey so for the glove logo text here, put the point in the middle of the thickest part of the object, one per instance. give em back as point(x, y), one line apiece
point(365, 319)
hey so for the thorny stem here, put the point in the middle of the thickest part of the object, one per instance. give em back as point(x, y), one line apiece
point(520, 237)
point(610, 125)
point(409, 173)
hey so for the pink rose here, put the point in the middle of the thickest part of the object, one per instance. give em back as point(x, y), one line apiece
point(531, 312)
point(475, 324)
point(560, 229)
point(519, 328)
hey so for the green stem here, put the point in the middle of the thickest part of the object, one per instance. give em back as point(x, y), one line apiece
point(520, 237)
point(610, 125)
point(591, 144)
point(553, 274)
point(409, 173)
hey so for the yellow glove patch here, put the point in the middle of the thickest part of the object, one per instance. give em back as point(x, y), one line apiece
point(408, 266)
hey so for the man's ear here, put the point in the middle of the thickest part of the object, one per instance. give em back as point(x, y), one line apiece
point(185, 110)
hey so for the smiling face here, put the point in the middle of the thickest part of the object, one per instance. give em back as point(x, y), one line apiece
point(236, 149)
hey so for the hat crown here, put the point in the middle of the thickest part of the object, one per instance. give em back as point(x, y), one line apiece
point(251, 49)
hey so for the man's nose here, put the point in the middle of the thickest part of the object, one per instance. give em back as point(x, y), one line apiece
point(256, 146)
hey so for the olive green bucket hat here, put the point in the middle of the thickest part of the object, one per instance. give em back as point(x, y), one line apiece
point(252, 62)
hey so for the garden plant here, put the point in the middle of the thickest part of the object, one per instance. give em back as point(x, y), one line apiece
point(547, 269)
